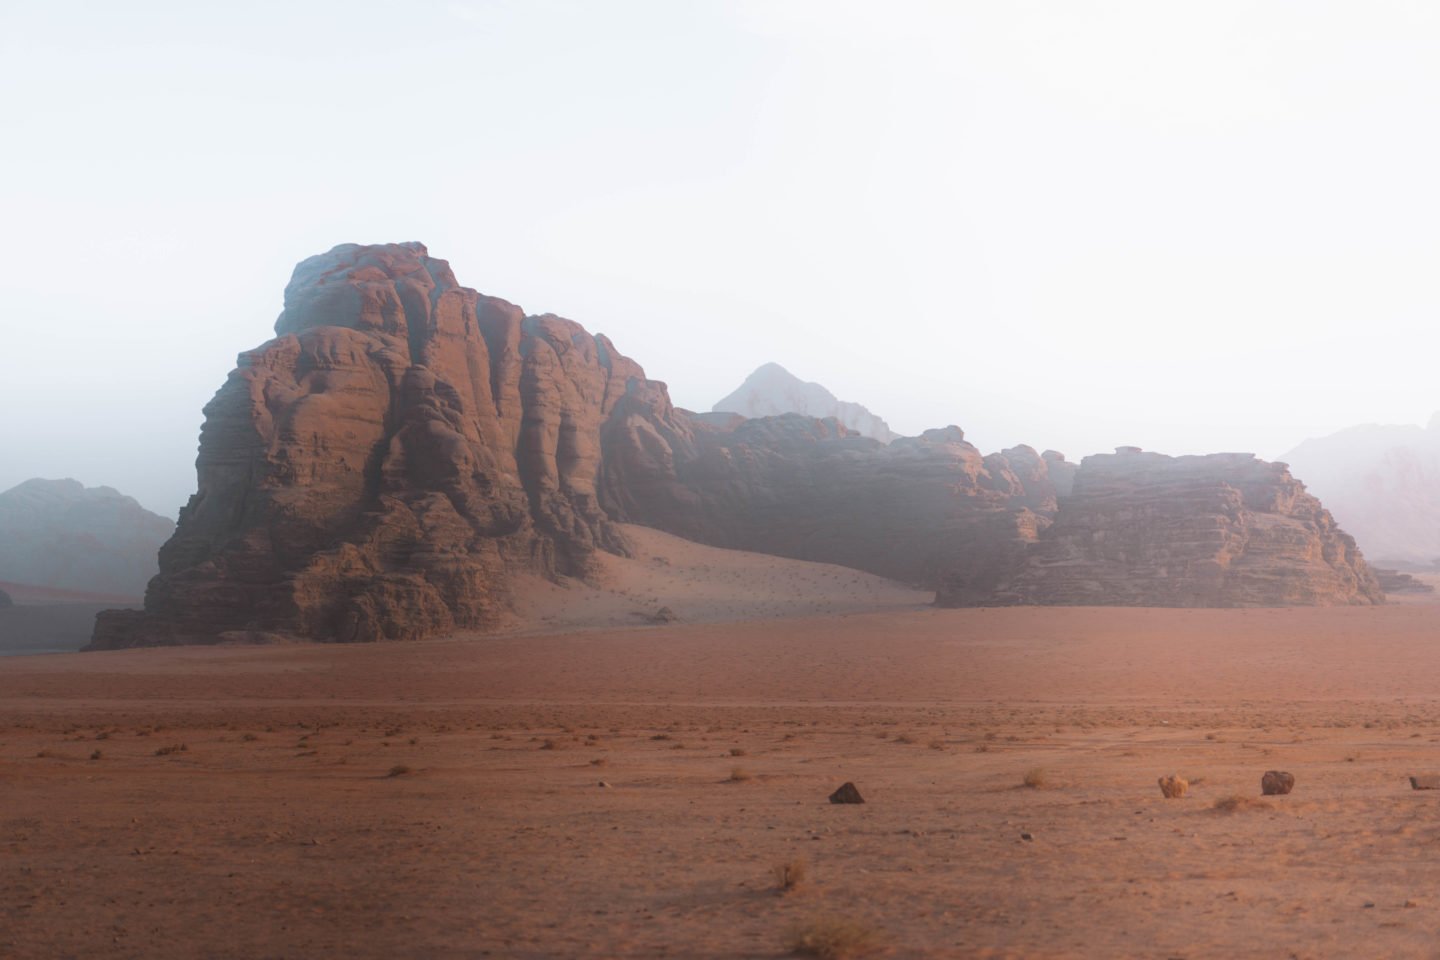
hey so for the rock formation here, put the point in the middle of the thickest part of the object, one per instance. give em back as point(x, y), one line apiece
point(382, 467)
point(404, 447)
point(1224, 530)
point(810, 489)
point(1382, 483)
point(1393, 581)
point(772, 391)
point(63, 535)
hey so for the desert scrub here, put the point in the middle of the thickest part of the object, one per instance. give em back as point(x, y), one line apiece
point(173, 748)
point(790, 875)
point(1036, 778)
point(832, 938)
point(740, 775)
point(399, 770)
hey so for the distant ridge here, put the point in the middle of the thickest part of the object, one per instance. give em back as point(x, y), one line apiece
point(60, 535)
point(772, 390)
point(1382, 482)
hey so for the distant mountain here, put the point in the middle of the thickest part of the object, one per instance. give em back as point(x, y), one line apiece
point(1382, 483)
point(772, 390)
point(60, 534)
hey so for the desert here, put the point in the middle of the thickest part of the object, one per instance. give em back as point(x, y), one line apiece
point(631, 792)
point(795, 480)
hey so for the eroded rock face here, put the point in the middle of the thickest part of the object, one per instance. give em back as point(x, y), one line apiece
point(810, 489)
point(381, 468)
point(1224, 530)
point(63, 535)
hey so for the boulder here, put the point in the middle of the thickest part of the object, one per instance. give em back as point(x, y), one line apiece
point(847, 793)
point(1276, 783)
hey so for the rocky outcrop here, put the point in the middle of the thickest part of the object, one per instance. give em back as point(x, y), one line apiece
point(60, 534)
point(1224, 530)
point(1393, 581)
point(773, 391)
point(405, 447)
point(810, 489)
point(1382, 482)
point(385, 465)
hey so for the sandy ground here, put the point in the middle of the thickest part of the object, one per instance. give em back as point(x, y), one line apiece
point(240, 802)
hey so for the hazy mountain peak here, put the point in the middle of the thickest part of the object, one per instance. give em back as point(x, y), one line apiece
point(772, 390)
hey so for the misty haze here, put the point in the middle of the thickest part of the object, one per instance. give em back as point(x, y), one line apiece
point(720, 479)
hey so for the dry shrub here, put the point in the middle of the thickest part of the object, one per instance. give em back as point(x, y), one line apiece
point(1237, 803)
point(173, 748)
point(1036, 778)
point(399, 770)
point(937, 744)
point(96, 755)
point(904, 738)
point(549, 745)
point(737, 751)
point(740, 775)
point(790, 875)
point(832, 938)
point(249, 738)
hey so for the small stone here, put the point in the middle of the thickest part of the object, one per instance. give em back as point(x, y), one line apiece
point(1277, 783)
point(847, 794)
point(1026, 836)
point(604, 784)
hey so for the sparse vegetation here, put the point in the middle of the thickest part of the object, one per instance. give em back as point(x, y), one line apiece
point(937, 744)
point(832, 938)
point(790, 875)
point(740, 775)
point(904, 738)
point(1036, 778)
point(549, 745)
point(399, 770)
point(96, 755)
point(249, 737)
point(737, 752)
point(172, 748)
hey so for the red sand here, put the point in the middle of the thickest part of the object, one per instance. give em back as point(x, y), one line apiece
point(277, 831)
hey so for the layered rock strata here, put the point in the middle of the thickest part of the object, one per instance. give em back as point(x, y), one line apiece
point(1224, 530)
point(382, 467)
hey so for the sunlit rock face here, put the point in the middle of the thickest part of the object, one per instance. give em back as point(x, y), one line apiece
point(382, 467)
point(1224, 530)
point(773, 391)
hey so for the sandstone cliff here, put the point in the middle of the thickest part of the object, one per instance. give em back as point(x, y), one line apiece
point(63, 535)
point(405, 446)
point(1224, 530)
point(772, 391)
point(381, 467)
point(810, 489)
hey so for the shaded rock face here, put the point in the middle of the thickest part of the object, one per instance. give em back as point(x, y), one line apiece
point(810, 489)
point(1224, 530)
point(63, 535)
point(773, 391)
point(381, 467)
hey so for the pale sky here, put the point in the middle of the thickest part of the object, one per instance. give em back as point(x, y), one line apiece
point(1186, 226)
